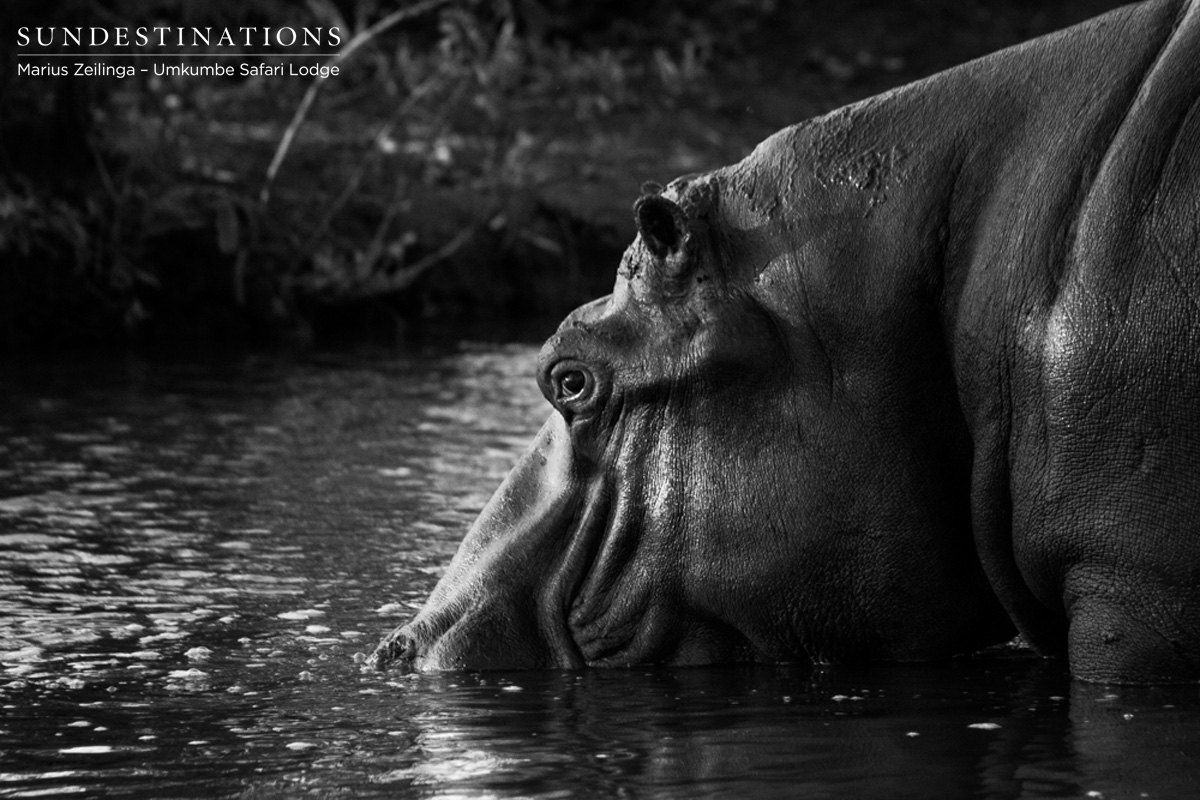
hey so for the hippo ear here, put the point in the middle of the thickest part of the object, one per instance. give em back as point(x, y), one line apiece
point(661, 223)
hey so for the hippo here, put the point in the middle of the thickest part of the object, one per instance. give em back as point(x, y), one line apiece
point(912, 378)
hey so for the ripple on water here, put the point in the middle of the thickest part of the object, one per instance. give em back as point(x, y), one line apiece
point(195, 557)
point(231, 539)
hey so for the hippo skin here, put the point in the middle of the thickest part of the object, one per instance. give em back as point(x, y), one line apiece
point(910, 378)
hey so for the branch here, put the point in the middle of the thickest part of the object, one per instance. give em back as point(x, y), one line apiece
point(391, 20)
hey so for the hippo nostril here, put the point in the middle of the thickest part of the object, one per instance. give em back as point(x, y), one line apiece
point(398, 649)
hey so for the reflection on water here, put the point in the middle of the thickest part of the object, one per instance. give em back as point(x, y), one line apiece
point(195, 556)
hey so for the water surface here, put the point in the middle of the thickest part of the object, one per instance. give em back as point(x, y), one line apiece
point(195, 557)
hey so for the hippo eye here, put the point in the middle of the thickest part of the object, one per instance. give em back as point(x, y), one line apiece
point(571, 384)
point(574, 387)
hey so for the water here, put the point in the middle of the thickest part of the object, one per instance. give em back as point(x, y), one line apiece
point(195, 556)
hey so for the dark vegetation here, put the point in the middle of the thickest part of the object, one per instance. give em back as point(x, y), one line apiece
point(472, 166)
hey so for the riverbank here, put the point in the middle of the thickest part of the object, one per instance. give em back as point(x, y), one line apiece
point(465, 169)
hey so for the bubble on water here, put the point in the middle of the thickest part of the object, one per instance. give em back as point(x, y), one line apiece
point(88, 749)
point(197, 654)
point(390, 608)
point(301, 745)
point(512, 689)
point(317, 629)
point(192, 674)
point(79, 723)
point(913, 734)
point(304, 613)
point(984, 726)
point(305, 676)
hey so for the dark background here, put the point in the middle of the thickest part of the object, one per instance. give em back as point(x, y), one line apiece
point(470, 171)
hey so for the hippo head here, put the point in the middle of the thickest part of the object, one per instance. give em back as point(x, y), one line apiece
point(744, 462)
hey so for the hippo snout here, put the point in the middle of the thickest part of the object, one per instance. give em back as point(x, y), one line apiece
point(398, 650)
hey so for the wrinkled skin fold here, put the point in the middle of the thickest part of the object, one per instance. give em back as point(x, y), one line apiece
point(909, 378)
